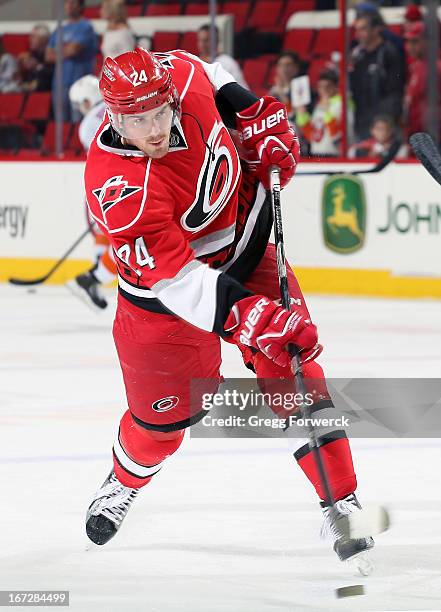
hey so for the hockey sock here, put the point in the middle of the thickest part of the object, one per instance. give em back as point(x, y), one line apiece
point(138, 454)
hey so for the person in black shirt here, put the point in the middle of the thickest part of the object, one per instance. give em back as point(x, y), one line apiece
point(36, 74)
point(376, 74)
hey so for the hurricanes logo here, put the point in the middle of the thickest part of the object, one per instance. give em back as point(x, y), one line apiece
point(165, 403)
point(113, 191)
point(344, 214)
point(216, 182)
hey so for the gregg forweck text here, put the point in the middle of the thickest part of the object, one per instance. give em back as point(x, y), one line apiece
point(13, 220)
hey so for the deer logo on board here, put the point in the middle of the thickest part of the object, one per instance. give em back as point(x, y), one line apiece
point(344, 213)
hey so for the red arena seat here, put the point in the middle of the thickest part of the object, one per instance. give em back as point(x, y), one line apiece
point(172, 8)
point(196, 8)
point(189, 42)
point(239, 10)
point(92, 12)
point(265, 15)
point(255, 72)
point(326, 41)
point(48, 145)
point(37, 106)
point(166, 41)
point(11, 105)
point(134, 11)
point(295, 6)
point(299, 40)
point(15, 43)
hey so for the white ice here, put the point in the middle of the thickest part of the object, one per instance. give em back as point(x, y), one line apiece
point(228, 525)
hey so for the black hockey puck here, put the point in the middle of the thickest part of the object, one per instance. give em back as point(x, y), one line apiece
point(349, 591)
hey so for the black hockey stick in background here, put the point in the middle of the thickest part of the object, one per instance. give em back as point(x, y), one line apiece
point(43, 279)
point(427, 153)
point(384, 161)
point(361, 524)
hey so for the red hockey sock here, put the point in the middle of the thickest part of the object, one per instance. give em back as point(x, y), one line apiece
point(138, 453)
point(335, 450)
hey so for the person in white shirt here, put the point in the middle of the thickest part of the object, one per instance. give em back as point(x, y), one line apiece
point(9, 78)
point(118, 38)
point(226, 61)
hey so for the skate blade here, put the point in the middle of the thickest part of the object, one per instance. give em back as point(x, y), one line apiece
point(82, 296)
point(369, 521)
point(363, 563)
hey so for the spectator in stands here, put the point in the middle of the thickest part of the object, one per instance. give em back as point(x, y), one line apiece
point(288, 67)
point(9, 74)
point(36, 73)
point(383, 136)
point(226, 61)
point(376, 74)
point(368, 8)
point(118, 38)
point(79, 44)
point(412, 15)
point(416, 98)
point(323, 127)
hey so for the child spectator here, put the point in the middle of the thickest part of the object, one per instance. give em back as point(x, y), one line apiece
point(288, 67)
point(79, 44)
point(383, 136)
point(322, 129)
point(9, 75)
point(36, 74)
point(118, 38)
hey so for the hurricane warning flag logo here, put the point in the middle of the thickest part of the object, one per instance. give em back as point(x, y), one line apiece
point(344, 213)
point(113, 191)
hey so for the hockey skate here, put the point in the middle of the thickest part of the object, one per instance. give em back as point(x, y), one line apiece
point(86, 287)
point(347, 549)
point(108, 509)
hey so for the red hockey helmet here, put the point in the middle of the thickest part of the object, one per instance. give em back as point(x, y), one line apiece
point(136, 82)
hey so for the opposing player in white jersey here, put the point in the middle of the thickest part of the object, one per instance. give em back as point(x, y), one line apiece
point(85, 97)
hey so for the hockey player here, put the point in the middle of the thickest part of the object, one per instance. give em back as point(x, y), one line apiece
point(190, 224)
point(85, 97)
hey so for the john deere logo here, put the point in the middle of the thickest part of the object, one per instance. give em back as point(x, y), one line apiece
point(344, 213)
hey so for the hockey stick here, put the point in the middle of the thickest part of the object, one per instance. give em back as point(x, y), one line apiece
point(361, 524)
point(43, 279)
point(427, 153)
point(385, 161)
point(286, 303)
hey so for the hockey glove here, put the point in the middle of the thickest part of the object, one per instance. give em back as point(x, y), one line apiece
point(264, 129)
point(258, 322)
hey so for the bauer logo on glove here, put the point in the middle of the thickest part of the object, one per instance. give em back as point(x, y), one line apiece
point(258, 322)
point(265, 131)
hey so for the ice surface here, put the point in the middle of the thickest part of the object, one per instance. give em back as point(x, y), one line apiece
point(228, 525)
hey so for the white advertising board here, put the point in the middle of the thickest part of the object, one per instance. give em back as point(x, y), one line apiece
point(401, 218)
point(390, 221)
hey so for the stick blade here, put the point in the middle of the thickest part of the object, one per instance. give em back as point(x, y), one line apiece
point(23, 282)
point(369, 521)
point(427, 153)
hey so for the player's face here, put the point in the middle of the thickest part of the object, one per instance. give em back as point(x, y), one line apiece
point(149, 131)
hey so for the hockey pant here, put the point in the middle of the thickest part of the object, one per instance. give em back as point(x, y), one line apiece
point(159, 356)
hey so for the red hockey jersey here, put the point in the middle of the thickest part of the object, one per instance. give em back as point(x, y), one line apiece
point(186, 227)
